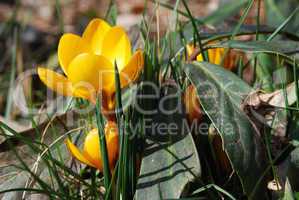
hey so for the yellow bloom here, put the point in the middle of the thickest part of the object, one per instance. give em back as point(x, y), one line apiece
point(215, 56)
point(88, 63)
point(91, 151)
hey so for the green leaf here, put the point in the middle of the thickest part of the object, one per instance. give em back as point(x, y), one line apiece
point(170, 159)
point(221, 94)
point(280, 47)
point(111, 14)
point(128, 96)
point(264, 71)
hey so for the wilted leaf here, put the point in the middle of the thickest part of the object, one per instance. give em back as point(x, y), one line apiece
point(276, 99)
point(221, 94)
point(275, 103)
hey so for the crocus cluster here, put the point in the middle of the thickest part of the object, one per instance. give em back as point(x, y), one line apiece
point(88, 63)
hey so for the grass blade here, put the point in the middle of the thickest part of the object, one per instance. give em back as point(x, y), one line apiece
point(12, 74)
point(283, 24)
point(205, 57)
point(103, 149)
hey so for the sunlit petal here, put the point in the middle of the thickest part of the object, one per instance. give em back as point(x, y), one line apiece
point(84, 93)
point(199, 57)
point(190, 49)
point(55, 81)
point(94, 34)
point(219, 53)
point(92, 145)
point(70, 45)
point(91, 148)
point(132, 70)
point(212, 54)
point(91, 72)
point(117, 47)
point(77, 154)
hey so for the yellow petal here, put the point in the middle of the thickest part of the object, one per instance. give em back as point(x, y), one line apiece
point(117, 47)
point(77, 154)
point(70, 45)
point(94, 34)
point(91, 72)
point(55, 81)
point(212, 55)
point(190, 49)
point(91, 148)
point(92, 145)
point(216, 56)
point(84, 93)
point(132, 70)
point(219, 52)
point(61, 84)
point(199, 57)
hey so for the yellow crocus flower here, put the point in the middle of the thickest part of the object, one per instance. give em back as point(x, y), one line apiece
point(88, 63)
point(91, 150)
point(215, 56)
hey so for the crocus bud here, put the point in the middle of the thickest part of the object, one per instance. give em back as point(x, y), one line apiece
point(192, 105)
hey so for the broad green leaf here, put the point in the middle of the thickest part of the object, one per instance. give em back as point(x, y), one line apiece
point(221, 94)
point(275, 47)
point(170, 159)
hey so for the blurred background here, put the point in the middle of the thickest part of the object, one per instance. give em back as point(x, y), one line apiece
point(42, 14)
